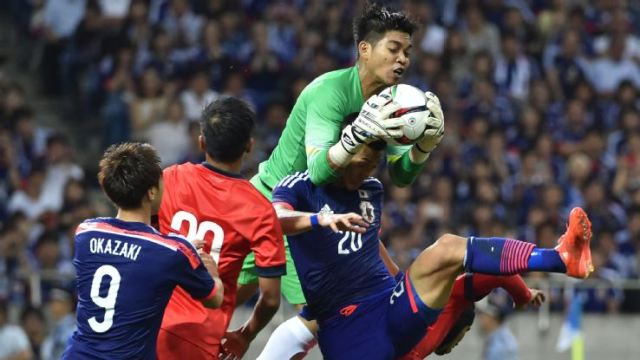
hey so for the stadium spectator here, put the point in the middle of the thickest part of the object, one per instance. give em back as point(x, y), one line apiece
point(170, 136)
point(60, 308)
point(14, 343)
point(514, 70)
point(60, 170)
point(480, 34)
point(150, 104)
point(500, 343)
point(31, 201)
point(34, 324)
point(612, 68)
point(197, 95)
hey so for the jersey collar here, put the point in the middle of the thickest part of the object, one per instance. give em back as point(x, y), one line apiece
point(128, 225)
point(220, 171)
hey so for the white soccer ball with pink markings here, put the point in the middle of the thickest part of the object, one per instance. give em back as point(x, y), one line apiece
point(413, 111)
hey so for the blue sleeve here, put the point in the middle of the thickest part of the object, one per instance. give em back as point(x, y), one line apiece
point(293, 190)
point(191, 274)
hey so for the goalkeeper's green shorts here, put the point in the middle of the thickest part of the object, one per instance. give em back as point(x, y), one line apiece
point(290, 285)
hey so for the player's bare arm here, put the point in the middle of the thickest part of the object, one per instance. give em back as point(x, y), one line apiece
point(393, 268)
point(537, 298)
point(295, 222)
point(236, 342)
point(212, 268)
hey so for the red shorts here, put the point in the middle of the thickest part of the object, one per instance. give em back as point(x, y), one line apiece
point(173, 347)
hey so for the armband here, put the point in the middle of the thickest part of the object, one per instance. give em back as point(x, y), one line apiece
point(314, 221)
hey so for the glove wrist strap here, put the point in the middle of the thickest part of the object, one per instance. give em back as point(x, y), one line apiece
point(417, 146)
point(341, 153)
point(417, 155)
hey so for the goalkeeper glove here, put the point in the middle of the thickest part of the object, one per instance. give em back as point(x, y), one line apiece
point(433, 133)
point(371, 124)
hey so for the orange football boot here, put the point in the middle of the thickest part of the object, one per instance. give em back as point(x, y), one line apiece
point(573, 245)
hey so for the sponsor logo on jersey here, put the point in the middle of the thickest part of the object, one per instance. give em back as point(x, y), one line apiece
point(326, 210)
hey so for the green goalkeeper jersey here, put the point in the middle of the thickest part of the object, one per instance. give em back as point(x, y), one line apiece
point(314, 126)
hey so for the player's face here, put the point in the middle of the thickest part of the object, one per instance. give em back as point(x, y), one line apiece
point(389, 59)
point(362, 165)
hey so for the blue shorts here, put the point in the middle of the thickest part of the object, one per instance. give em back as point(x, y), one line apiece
point(383, 326)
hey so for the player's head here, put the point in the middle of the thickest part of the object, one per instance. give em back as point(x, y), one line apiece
point(490, 314)
point(383, 40)
point(131, 176)
point(364, 163)
point(226, 126)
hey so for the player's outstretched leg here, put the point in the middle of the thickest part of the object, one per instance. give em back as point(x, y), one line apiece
point(431, 276)
point(500, 256)
point(436, 267)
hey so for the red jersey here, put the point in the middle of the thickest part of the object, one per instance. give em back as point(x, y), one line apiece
point(233, 218)
point(463, 295)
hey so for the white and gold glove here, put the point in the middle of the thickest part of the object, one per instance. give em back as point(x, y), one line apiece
point(432, 134)
point(371, 124)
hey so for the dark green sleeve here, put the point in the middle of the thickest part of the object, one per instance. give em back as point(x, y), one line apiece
point(402, 171)
point(322, 130)
point(320, 172)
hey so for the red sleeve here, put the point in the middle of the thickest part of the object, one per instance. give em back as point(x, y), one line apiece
point(483, 284)
point(284, 204)
point(517, 288)
point(267, 242)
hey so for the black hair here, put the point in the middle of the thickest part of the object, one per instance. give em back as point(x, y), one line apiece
point(376, 20)
point(57, 138)
point(48, 237)
point(127, 172)
point(377, 145)
point(21, 113)
point(227, 125)
point(32, 311)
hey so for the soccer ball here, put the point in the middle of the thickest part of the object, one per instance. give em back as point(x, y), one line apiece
point(413, 110)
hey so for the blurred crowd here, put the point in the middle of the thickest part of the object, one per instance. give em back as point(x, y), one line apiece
point(540, 98)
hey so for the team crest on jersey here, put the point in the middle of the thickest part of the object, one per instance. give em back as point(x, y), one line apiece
point(367, 212)
point(364, 194)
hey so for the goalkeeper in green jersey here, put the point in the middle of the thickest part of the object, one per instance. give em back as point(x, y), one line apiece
point(313, 139)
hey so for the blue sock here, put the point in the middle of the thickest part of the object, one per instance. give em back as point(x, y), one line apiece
point(546, 260)
point(497, 256)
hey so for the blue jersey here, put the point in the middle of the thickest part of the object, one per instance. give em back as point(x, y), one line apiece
point(126, 273)
point(336, 269)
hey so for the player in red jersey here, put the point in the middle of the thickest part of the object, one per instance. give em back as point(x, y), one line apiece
point(212, 202)
point(457, 316)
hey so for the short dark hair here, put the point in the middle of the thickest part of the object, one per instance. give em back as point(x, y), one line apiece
point(57, 138)
point(128, 171)
point(21, 113)
point(376, 20)
point(226, 125)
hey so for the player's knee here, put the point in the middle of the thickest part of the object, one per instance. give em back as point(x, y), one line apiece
point(271, 301)
point(450, 249)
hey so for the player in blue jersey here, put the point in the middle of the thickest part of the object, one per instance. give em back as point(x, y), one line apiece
point(126, 270)
point(364, 312)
